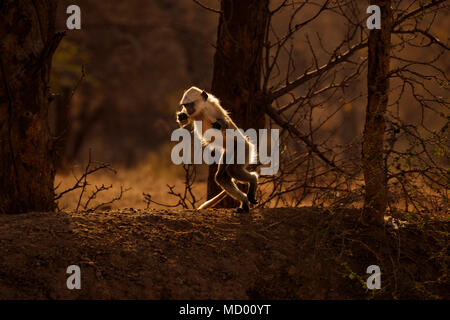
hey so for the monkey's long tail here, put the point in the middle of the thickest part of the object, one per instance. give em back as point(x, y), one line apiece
point(212, 202)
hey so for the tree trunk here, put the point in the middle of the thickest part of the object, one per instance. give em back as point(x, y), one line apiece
point(376, 192)
point(27, 45)
point(62, 126)
point(238, 67)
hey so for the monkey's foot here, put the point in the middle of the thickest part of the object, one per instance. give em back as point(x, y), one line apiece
point(244, 208)
point(251, 198)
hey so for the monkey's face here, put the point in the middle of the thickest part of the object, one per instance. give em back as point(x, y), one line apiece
point(190, 108)
point(183, 118)
point(192, 103)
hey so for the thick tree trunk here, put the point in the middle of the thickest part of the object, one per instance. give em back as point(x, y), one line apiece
point(376, 194)
point(27, 44)
point(62, 126)
point(238, 67)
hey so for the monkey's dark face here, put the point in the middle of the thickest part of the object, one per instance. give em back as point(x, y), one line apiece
point(183, 117)
point(191, 103)
point(190, 107)
point(188, 110)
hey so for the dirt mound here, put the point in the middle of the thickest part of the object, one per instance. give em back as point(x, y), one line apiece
point(302, 253)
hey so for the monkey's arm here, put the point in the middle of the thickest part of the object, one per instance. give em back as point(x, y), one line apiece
point(220, 124)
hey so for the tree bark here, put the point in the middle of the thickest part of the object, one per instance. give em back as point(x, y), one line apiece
point(28, 41)
point(238, 68)
point(62, 125)
point(375, 177)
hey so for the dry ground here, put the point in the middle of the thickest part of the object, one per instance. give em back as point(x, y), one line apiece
point(286, 253)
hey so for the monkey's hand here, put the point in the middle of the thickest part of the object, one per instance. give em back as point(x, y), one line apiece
point(220, 124)
point(182, 119)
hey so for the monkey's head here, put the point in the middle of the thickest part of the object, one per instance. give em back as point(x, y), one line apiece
point(192, 104)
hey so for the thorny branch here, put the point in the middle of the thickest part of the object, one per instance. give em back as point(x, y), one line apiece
point(187, 199)
point(82, 184)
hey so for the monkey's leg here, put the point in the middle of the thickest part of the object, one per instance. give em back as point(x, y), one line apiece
point(212, 202)
point(221, 170)
point(225, 181)
point(238, 172)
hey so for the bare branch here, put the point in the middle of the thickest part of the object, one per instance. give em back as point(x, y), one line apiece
point(285, 124)
point(432, 38)
point(119, 197)
point(206, 7)
point(307, 76)
point(186, 200)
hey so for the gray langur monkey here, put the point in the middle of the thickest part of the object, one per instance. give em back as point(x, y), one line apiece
point(198, 105)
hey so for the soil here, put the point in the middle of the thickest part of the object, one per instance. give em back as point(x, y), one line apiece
point(283, 253)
